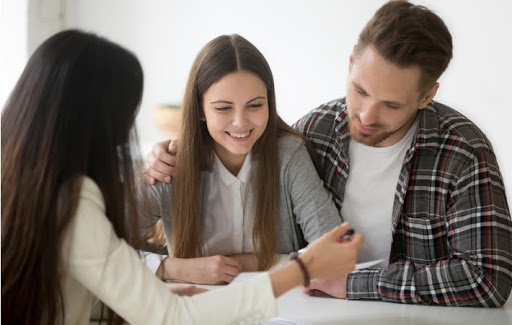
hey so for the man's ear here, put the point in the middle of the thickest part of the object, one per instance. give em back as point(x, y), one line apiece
point(427, 97)
point(351, 58)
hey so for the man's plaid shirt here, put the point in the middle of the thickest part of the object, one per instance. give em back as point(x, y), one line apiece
point(452, 232)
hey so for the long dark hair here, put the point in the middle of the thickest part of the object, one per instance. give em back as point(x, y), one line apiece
point(219, 57)
point(69, 116)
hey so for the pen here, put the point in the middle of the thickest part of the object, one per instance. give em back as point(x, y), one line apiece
point(346, 236)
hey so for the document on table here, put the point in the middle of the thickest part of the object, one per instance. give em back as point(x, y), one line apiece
point(368, 264)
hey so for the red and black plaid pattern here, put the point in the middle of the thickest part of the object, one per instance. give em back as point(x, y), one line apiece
point(452, 231)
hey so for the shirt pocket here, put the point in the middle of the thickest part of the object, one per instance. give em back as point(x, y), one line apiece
point(425, 240)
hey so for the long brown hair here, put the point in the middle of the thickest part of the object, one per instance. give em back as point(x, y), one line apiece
point(219, 57)
point(69, 116)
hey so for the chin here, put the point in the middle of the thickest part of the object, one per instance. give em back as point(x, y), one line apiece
point(239, 151)
point(370, 141)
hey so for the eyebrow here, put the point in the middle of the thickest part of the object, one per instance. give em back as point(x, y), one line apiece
point(257, 97)
point(388, 102)
point(228, 102)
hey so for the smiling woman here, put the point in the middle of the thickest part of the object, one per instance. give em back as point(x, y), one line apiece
point(258, 189)
point(236, 115)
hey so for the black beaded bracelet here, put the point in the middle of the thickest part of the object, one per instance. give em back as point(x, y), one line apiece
point(295, 257)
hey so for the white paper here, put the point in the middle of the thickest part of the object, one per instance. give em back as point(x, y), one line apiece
point(368, 264)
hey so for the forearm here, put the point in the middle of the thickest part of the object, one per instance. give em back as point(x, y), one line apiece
point(452, 282)
point(172, 269)
point(286, 278)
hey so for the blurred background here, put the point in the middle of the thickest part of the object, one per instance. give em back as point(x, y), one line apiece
point(306, 42)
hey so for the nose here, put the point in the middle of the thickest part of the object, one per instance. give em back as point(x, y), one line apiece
point(240, 118)
point(369, 114)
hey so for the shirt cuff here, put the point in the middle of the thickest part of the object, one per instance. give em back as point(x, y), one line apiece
point(151, 260)
point(364, 284)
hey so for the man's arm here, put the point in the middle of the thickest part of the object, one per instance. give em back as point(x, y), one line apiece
point(478, 271)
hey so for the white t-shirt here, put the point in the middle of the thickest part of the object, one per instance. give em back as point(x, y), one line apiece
point(370, 191)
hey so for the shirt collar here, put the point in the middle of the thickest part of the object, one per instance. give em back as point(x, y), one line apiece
point(341, 121)
point(427, 135)
point(244, 175)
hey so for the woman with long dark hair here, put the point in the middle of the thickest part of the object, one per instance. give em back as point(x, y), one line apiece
point(68, 203)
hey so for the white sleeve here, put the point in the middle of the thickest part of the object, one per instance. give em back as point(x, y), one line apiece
point(151, 260)
point(111, 269)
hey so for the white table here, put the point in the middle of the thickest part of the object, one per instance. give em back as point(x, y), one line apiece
point(298, 308)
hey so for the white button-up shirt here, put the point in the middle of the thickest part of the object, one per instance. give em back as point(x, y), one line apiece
point(229, 213)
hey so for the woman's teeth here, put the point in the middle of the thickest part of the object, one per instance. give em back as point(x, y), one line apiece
point(239, 135)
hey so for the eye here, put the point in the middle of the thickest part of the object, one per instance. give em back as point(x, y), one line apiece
point(360, 91)
point(392, 106)
point(255, 106)
point(222, 108)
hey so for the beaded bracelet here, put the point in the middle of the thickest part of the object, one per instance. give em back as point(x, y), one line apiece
point(294, 256)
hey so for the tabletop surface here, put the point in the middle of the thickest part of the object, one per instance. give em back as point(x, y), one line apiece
point(295, 307)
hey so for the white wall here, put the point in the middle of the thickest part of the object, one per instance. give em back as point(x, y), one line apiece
point(24, 24)
point(307, 43)
point(13, 44)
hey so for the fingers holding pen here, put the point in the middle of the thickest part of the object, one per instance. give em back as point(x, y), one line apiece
point(319, 254)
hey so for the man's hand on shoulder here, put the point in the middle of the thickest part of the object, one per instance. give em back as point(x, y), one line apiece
point(160, 161)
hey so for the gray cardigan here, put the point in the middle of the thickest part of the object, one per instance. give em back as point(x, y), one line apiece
point(306, 209)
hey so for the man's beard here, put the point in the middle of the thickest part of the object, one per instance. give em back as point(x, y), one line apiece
point(374, 139)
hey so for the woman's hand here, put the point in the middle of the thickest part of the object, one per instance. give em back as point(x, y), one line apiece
point(328, 257)
point(216, 269)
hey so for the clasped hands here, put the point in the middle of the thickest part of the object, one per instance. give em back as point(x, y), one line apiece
point(216, 269)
